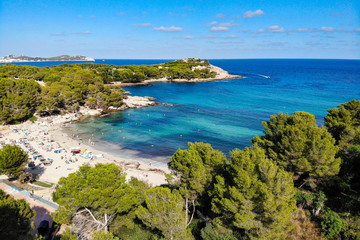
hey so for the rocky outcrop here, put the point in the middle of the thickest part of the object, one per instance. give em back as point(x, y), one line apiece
point(138, 102)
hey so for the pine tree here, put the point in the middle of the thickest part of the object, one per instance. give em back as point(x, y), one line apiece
point(298, 145)
point(164, 211)
point(12, 160)
point(255, 197)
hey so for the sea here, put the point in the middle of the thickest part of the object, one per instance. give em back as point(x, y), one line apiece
point(227, 113)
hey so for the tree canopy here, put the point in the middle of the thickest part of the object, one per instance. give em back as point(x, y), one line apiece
point(163, 210)
point(67, 87)
point(196, 167)
point(344, 121)
point(255, 197)
point(15, 217)
point(298, 145)
point(95, 195)
point(12, 160)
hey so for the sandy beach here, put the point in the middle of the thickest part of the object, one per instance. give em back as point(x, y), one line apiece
point(49, 147)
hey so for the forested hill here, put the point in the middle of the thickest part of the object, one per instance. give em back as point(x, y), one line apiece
point(29, 90)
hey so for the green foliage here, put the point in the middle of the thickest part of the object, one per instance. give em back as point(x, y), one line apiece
point(331, 224)
point(217, 232)
point(68, 235)
point(344, 121)
point(101, 235)
point(298, 145)
point(26, 177)
point(351, 228)
point(255, 196)
point(344, 124)
point(163, 210)
point(133, 231)
point(101, 189)
point(196, 168)
point(33, 119)
point(18, 99)
point(12, 160)
point(69, 86)
point(43, 184)
point(15, 217)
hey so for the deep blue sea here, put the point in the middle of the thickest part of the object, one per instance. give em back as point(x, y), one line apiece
point(226, 114)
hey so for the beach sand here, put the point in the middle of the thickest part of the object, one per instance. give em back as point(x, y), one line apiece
point(46, 135)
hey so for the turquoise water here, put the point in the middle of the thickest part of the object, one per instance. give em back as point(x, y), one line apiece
point(225, 113)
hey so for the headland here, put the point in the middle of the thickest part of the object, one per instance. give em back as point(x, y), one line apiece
point(22, 58)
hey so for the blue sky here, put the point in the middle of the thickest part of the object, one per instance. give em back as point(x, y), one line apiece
point(174, 29)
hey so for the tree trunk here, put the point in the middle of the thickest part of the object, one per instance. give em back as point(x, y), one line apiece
point(186, 210)
point(192, 215)
point(106, 223)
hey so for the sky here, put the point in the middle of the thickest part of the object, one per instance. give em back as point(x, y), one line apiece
point(172, 29)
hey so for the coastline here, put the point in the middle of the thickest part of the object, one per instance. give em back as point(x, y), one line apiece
point(47, 134)
point(221, 74)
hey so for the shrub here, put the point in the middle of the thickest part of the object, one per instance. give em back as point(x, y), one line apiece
point(331, 224)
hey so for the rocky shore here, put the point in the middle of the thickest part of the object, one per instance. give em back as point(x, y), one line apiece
point(221, 74)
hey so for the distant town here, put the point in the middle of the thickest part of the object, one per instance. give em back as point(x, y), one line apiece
point(22, 58)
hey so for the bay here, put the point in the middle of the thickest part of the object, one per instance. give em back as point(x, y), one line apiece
point(227, 113)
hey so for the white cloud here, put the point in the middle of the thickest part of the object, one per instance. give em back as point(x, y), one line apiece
point(220, 15)
point(142, 25)
point(213, 23)
point(327, 29)
point(306, 30)
point(168, 29)
point(219, 29)
point(209, 36)
point(232, 37)
point(228, 24)
point(188, 37)
point(271, 44)
point(251, 14)
point(275, 29)
point(261, 30)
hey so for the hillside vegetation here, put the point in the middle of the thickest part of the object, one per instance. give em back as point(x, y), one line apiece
point(26, 90)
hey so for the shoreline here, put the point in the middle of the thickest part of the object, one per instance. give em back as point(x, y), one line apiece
point(46, 136)
point(165, 80)
point(221, 74)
